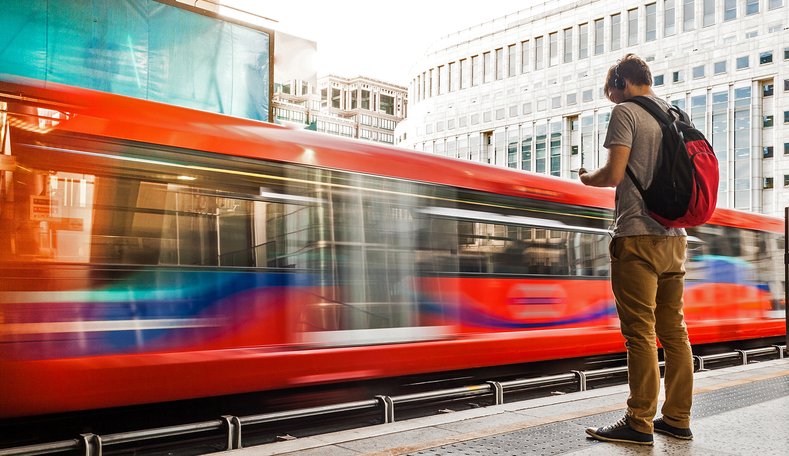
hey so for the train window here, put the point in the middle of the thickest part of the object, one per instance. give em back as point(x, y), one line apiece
point(735, 255)
point(86, 204)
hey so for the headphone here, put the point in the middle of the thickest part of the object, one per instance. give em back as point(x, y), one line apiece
point(619, 81)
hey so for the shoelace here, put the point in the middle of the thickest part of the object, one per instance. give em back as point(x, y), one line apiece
point(621, 423)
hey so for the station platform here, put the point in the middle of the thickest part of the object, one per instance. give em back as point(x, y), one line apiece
point(741, 410)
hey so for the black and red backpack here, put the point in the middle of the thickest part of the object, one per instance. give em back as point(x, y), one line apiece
point(684, 188)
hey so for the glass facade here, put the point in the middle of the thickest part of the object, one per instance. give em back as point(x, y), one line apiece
point(142, 49)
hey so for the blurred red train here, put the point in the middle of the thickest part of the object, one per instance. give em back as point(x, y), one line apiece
point(152, 253)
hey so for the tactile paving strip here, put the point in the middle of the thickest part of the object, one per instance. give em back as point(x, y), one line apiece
point(568, 436)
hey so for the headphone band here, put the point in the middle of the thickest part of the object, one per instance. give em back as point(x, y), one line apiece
point(619, 81)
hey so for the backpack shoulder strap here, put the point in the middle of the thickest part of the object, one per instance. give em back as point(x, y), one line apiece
point(662, 118)
point(653, 108)
point(635, 181)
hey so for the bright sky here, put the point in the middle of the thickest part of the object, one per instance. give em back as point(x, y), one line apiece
point(378, 39)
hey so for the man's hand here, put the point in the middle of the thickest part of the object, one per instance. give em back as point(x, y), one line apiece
point(581, 173)
point(612, 173)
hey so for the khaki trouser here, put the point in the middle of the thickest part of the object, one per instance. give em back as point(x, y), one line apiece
point(648, 278)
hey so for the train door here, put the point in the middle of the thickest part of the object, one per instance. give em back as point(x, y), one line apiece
point(370, 292)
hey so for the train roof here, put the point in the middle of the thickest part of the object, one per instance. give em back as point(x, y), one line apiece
point(121, 117)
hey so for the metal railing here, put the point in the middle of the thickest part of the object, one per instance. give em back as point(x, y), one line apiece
point(230, 426)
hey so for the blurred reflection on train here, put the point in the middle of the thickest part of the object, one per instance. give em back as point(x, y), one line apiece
point(152, 253)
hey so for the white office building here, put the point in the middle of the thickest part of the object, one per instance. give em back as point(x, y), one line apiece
point(357, 107)
point(525, 91)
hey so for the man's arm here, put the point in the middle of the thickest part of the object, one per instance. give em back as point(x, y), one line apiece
point(612, 173)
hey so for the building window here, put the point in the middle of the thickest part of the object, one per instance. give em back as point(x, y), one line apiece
point(453, 76)
point(729, 10)
point(786, 85)
point(658, 80)
point(511, 68)
point(524, 56)
point(387, 104)
point(743, 62)
point(365, 99)
point(442, 80)
point(476, 70)
point(335, 98)
point(767, 152)
point(677, 76)
point(568, 45)
point(688, 17)
point(539, 54)
point(583, 41)
point(709, 13)
point(486, 67)
point(587, 96)
point(500, 114)
point(572, 98)
point(553, 49)
point(499, 64)
point(526, 108)
point(698, 72)
point(786, 148)
point(768, 183)
point(767, 121)
point(786, 117)
point(599, 37)
point(616, 32)
point(698, 111)
point(632, 27)
point(651, 31)
point(751, 7)
point(526, 153)
point(513, 110)
point(719, 67)
point(786, 180)
point(556, 102)
point(465, 74)
point(767, 89)
point(773, 4)
point(766, 57)
point(669, 18)
point(786, 53)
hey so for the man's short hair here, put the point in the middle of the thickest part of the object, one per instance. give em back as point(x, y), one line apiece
point(631, 68)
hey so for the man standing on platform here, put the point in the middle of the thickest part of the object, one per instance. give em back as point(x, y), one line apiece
point(647, 268)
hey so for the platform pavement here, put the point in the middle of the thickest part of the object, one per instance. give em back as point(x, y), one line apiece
point(741, 410)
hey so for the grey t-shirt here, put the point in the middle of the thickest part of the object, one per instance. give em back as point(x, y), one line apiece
point(635, 128)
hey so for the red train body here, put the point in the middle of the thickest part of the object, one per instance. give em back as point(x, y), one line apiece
point(152, 253)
